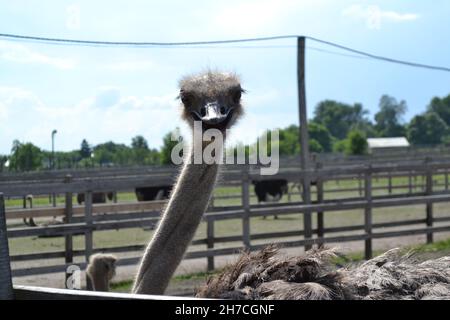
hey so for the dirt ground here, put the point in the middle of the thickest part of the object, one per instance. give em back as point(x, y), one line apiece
point(187, 287)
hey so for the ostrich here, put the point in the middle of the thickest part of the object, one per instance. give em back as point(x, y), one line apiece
point(100, 270)
point(213, 101)
point(269, 275)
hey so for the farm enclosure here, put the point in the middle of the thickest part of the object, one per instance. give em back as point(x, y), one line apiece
point(351, 203)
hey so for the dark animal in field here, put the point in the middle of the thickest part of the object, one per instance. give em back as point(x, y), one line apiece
point(264, 189)
point(269, 275)
point(153, 193)
point(97, 197)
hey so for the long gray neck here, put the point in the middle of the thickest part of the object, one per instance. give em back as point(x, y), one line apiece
point(180, 220)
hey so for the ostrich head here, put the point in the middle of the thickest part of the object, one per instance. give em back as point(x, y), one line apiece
point(213, 98)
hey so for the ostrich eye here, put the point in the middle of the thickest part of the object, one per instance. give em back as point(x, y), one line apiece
point(236, 95)
point(186, 98)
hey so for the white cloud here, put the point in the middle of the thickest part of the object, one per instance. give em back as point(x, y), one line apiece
point(22, 54)
point(73, 21)
point(374, 16)
point(117, 118)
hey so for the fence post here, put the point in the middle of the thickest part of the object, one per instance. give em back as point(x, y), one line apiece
point(54, 199)
point(6, 288)
point(446, 180)
point(368, 213)
point(410, 182)
point(429, 205)
point(390, 183)
point(88, 241)
point(210, 240)
point(304, 139)
point(320, 214)
point(360, 188)
point(68, 256)
point(246, 207)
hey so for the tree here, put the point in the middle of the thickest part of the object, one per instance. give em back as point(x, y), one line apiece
point(320, 137)
point(110, 153)
point(85, 149)
point(441, 107)
point(357, 143)
point(289, 141)
point(427, 128)
point(3, 160)
point(140, 150)
point(139, 142)
point(168, 145)
point(388, 121)
point(25, 157)
point(339, 118)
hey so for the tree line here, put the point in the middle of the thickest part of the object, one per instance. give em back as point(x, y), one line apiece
point(335, 127)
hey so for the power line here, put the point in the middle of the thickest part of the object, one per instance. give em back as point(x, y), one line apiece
point(215, 42)
point(137, 43)
point(373, 56)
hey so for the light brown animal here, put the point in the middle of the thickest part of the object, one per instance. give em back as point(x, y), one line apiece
point(101, 269)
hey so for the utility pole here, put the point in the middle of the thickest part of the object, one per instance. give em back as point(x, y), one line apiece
point(304, 139)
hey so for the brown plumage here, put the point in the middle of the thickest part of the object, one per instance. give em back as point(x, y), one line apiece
point(100, 270)
point(268, 274)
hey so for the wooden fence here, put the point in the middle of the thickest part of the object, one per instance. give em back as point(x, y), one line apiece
point(90, 218)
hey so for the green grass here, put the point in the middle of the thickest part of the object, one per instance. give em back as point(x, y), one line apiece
point(439, 246)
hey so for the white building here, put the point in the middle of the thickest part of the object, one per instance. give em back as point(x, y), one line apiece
point(382, 145)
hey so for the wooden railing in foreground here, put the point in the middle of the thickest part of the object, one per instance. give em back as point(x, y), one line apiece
point(44, 293)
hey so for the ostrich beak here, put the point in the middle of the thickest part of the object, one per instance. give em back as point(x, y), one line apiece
point(214, 114)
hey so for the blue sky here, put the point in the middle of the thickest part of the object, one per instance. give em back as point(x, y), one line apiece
point(106, 93)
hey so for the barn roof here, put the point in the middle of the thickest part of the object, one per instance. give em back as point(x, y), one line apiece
point(399, 142)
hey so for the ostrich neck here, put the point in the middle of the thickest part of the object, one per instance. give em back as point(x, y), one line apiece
point(179, 222)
